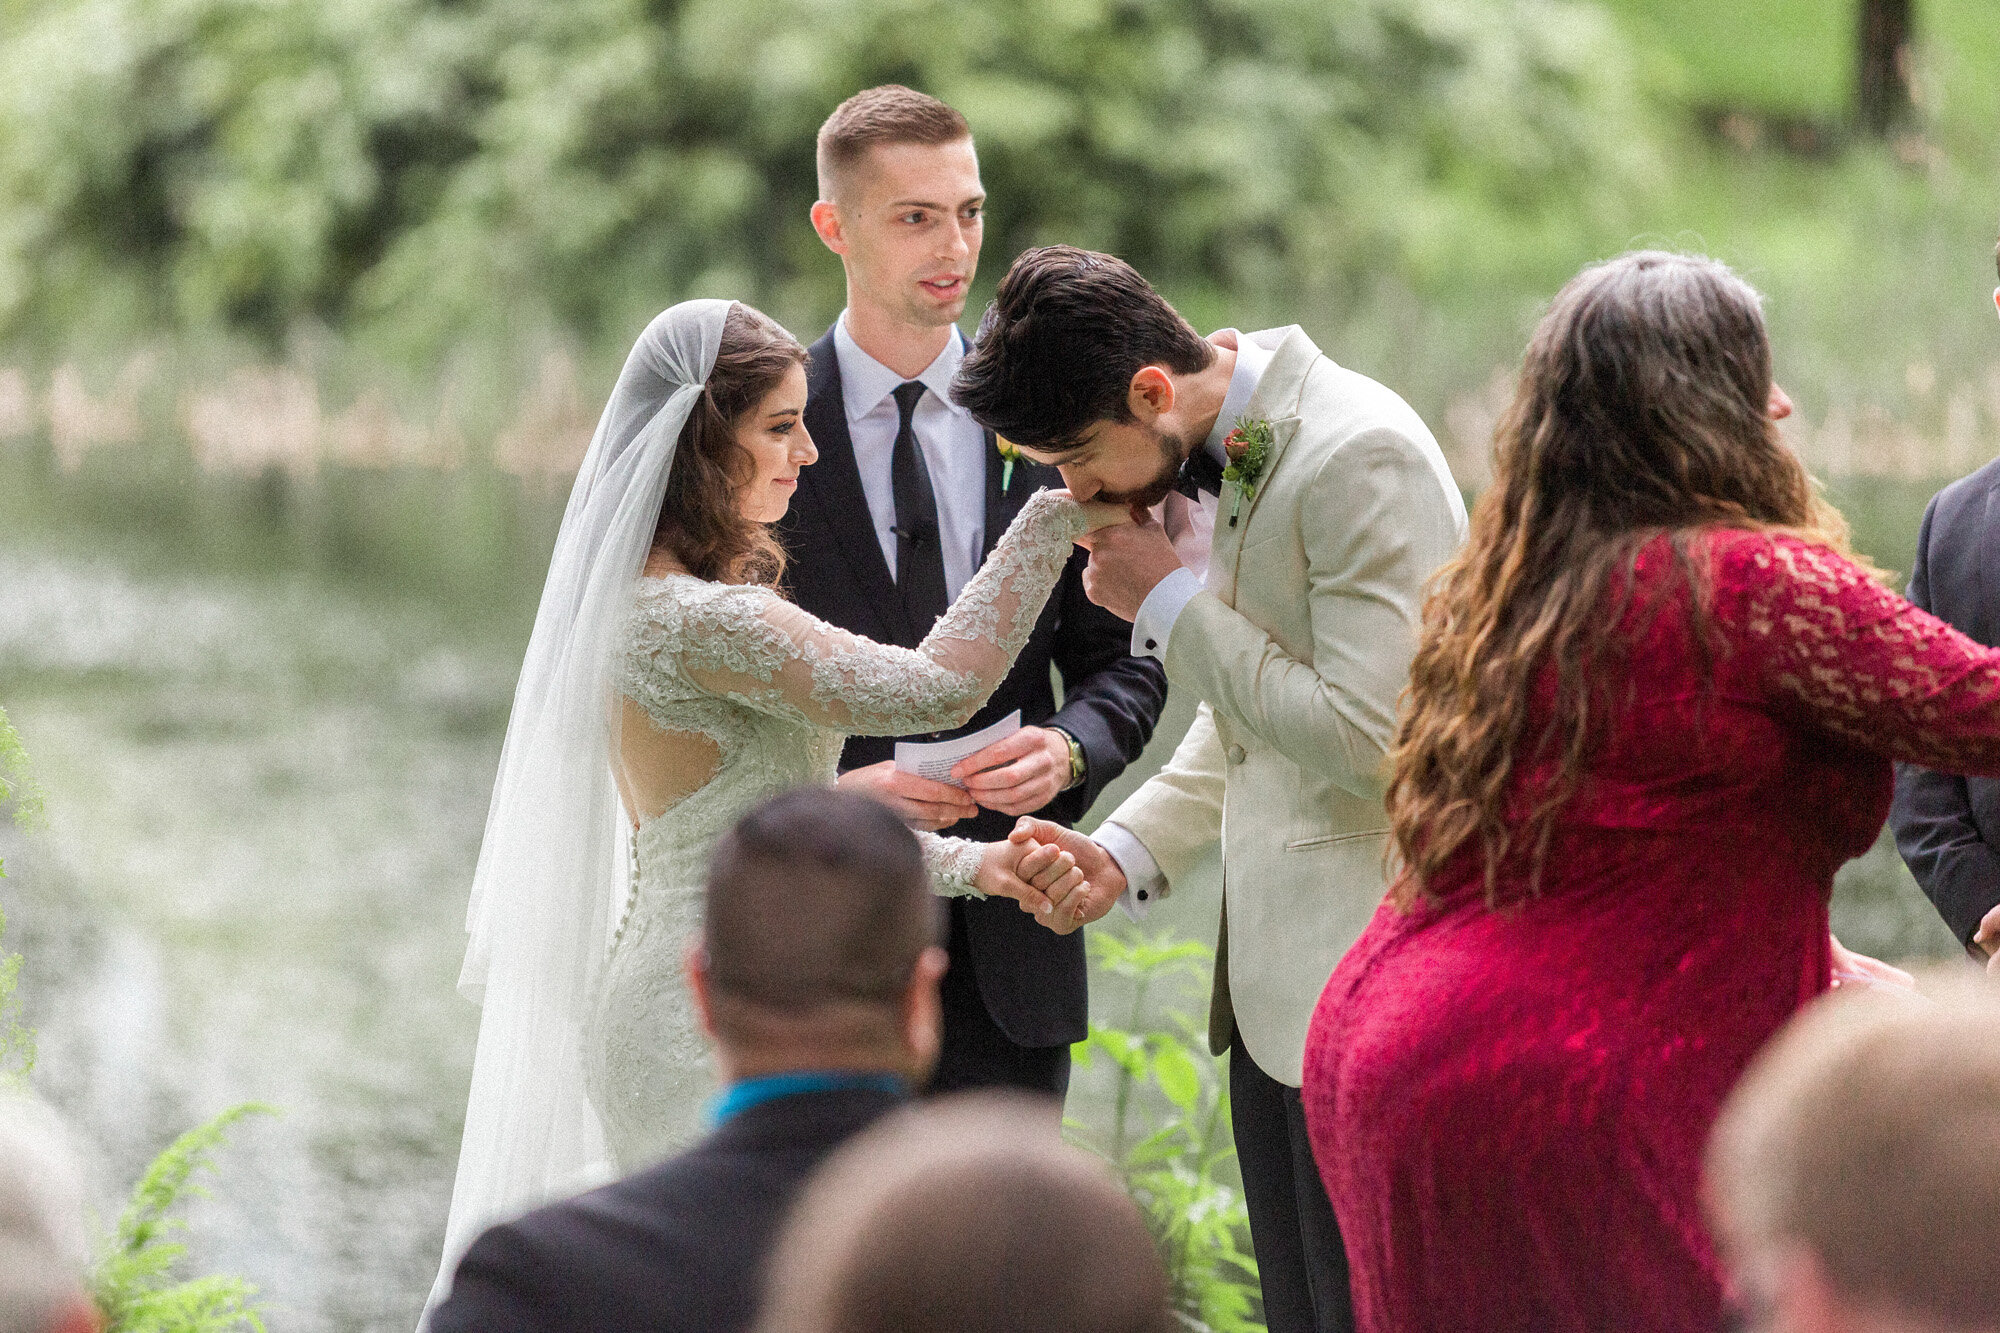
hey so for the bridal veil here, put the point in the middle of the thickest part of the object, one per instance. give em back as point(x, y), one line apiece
point(552, 866)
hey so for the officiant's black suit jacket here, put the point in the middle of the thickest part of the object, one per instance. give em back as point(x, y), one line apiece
point(1031, 979)
point(677, 1246)
point(1947, 827)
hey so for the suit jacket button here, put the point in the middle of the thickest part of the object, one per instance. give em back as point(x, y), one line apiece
point(1152, 645)
point(1235, 754)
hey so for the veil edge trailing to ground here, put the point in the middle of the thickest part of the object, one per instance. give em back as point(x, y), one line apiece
point(552, 865)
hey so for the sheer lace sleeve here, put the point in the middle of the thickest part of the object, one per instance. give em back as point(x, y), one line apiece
point(953, 863)
point(753, 646)
point(1861, 661)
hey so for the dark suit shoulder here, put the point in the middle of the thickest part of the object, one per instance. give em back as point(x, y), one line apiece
point(822, 362)
point(508, 1281)
point(678, 1245)
point(1968, 491)
point(768, 1148)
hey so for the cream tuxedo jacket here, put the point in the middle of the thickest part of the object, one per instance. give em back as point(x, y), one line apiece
point(1299, 647)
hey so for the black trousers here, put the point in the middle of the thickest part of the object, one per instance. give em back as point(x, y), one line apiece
point(1300, 1257)
point(975, 1052)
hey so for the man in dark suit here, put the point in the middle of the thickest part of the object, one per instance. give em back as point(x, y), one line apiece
point(908, 496)
point(1948, 827)
point(818, 1032)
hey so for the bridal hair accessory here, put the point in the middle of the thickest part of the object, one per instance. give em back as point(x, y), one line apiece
point(1249, 450)
point(1010, 454)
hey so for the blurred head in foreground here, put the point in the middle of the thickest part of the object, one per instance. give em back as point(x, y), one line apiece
point(965, 1216)
point(819, 949)
point(1854, 1175)
point(43, 1247)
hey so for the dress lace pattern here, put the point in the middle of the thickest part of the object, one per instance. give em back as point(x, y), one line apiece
point(777, 691)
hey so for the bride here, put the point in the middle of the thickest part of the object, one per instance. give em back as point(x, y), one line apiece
point(667, 688)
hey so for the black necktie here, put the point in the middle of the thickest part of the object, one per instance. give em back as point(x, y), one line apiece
point(919, 553)
point(1199, 473)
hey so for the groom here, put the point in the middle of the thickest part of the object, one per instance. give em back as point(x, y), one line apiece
point(1298, 642)
point(907, 498)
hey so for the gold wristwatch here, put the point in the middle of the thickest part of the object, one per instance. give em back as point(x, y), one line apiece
point(1077, 765)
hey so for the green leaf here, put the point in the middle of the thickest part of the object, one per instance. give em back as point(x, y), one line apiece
point(1128, 1051)
point(1174, 1069)
point(132, 1280)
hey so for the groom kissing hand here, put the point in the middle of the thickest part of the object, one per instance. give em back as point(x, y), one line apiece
point(1329, 505)
point(1127, 562)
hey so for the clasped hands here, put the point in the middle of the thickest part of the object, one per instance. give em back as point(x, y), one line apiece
point(1058, 875)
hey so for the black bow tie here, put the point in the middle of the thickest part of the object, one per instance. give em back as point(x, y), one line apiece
point(1199, 473)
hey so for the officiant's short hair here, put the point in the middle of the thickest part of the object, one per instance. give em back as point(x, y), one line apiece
point(890, 114)
point(1059, 346)
point(1866, 1133)
point(817, 900)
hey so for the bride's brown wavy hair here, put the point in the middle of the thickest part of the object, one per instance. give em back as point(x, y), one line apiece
point(701, 523)
point(1641, 410)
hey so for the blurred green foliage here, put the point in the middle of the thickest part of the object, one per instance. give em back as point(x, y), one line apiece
point(414, 172)
point(17, 1039)
point(1169, 1135)
point(1797, 57)
point(133, 1281)
point(18, 789)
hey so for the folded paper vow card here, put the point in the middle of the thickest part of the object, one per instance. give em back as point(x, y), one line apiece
point(934, 759)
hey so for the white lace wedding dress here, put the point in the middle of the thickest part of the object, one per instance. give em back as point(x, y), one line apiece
point(777, 691)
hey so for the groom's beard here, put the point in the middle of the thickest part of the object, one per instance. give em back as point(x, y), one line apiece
point(1173, 452)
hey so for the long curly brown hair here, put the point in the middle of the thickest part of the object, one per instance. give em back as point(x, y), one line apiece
point(1642, 409)
point(701, 524)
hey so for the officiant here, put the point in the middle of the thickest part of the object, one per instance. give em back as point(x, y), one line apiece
point(908, 496)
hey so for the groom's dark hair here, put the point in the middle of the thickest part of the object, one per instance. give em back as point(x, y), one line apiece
point(818, 906)
point(1061, 342)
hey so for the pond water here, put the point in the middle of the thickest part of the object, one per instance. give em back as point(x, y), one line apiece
point(264, 802)
point(266, 784)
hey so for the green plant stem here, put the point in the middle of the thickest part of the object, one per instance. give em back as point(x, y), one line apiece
point(1126, 1080)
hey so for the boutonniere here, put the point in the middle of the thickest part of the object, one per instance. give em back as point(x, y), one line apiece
point(1249, 449)
point(1010, 454)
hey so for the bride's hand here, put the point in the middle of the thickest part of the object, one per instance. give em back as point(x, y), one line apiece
point(1039, 877)
point(1097, 513)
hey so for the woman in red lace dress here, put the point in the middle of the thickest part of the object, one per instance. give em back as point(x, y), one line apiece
point(1652, 712)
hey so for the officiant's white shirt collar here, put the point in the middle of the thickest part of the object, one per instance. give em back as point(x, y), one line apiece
point(865, 382)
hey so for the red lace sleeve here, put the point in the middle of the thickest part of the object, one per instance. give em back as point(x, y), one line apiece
point(1859, 660)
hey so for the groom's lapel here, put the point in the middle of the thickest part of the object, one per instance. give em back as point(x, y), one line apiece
point(1275, 400)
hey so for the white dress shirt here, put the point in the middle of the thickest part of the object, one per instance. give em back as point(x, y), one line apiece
point(953, 444)
point(1158, 614)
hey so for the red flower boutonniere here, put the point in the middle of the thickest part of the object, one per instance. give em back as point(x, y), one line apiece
point(1249, 450)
